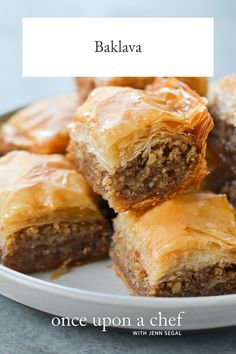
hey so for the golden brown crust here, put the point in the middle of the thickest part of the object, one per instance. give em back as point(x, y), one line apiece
point(192, 222)
point(85, 85)
point(48, 214)
point(116, 118)
point(5, 147)
point(37, 189)
point(135, 82)
point(198, 84)
point(41, 127)
point(117, 125)
point(186, 246)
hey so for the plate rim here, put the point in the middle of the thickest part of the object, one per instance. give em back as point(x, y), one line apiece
point(112, 299)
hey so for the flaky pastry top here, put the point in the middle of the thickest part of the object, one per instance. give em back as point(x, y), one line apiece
point(42, 126)
point(196, 224)
point(37, 189)
point(198, 84)
point(85, 85)
point(115, 123)
point(135, 82)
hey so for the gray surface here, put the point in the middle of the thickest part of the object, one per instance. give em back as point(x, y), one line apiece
point(26, 331)
point(23, 330)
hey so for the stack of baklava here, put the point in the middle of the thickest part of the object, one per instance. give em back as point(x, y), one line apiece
point(139, 143)
point(49, 215)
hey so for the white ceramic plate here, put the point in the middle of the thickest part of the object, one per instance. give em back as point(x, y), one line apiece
point(93, 291)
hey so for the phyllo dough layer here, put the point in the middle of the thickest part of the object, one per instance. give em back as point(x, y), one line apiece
point(48, 213)
point(138, 148)
point(198, 84)
point(184, 247)
point(85, 85)
point(41, 127)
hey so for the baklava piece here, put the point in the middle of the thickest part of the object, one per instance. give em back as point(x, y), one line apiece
point(139, 148)
point(41, 127)
point(48, 214)
point(220, 178)
point(219, 173)
point(85, 85)
point(198, 84)
point(222, 105)
point(184, 247)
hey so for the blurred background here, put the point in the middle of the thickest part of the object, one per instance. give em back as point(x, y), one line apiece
point(16, 91)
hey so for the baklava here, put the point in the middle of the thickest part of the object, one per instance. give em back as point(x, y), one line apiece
point(184, 247)
point(41, 127)
point(48, 214)
point(85, 85)
point(222, 105)
point(219, 173)
point(139, 148)
point(220, 178)
point(198, 84)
